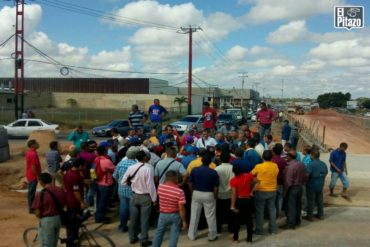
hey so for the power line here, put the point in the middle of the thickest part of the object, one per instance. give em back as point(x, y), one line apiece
point(7, 40)
point(79, 9)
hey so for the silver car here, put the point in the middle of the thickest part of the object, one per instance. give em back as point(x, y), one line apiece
point(24, 127)
point(185, 123)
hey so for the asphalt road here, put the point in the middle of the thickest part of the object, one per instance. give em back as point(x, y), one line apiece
point(61, 138)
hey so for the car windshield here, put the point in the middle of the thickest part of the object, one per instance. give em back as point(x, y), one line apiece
point(225, 117)
point(189, 119)
point(114, 123)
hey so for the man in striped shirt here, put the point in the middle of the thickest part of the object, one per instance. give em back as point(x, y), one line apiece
point(172, 210)
point(137, 118)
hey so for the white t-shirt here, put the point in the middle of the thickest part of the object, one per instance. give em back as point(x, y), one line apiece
point(204, 143)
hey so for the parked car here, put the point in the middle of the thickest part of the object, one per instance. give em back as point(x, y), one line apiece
point(227, 117)
point(186, 122)
point(24, 127)
point(104, 130)
point(238, 113)
point(254, 117)
point(367, 114)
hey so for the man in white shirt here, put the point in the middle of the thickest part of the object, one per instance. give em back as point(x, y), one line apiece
point(223, 212)
point(141, 176)
point(206, 140)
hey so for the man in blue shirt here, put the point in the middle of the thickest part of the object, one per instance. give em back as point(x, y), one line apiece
point(156, 114)
point(191, 154)
point(316, 172)
point(243, 162)
point(285, 132)
point(251, 154)
point(338, 168)
point(204, 183)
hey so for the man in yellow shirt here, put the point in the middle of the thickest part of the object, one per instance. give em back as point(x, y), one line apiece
point(198, 162)
point(266, 174)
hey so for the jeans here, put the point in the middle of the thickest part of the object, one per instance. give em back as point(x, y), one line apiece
point(102, 200)
point(294, 142)
point(124, 211)
point(32, 186)
point(315, 198)
point(90, 194)
point(208, 201)
point(279, 199)
point(49, 231)
point(245, 207)
point(342, 176)
point(263, 198)
point(140, 206)
point(264, 130)
point(223, 214)
point(173, 220)
point(294, 205)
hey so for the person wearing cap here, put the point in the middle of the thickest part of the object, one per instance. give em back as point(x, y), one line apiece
point(77, 136)
point(264, 117)
point(209, 116)
point(124, 191)
point(190, 155)
point(156, 114)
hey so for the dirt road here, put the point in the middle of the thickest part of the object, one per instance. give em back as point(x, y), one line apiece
point(338, 130)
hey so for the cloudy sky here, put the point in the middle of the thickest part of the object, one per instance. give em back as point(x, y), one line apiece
point(287, 40)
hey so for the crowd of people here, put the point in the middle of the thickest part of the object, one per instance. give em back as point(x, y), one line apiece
point(203, 179)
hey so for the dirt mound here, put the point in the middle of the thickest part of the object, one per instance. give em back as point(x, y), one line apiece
point(323, 112)
point(43, 137)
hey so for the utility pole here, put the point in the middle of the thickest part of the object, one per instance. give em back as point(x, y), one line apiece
point(19, 59)
point(190, 30)
point(242, 75)
point(282, 89)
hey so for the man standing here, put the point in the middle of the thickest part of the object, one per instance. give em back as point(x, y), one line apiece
point(74, 187)
point(265, 116)
point(316, 171)
point(294, 180)
point(136, 118)
point(156, 114)
point(203, 183)
point(47, 206)
point(206, 140)
point(225, 173)
point(124, 191)
point(77, 136)
point(285, 132)
point(141, 178)
point(209, 116)
point(168, 164)
point(266, 176)
point(281, 163)
point(338, 168)
point(172, 210)
point(104, 170)
point(33, 170)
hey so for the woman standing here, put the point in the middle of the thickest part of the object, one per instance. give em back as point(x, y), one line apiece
point(242, 187)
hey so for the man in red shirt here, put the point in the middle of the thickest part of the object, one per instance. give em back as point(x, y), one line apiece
point(74, 187)
point(265, 116)
point(209, 116)
point(47, 210)
point(33, 170)
point(104, 183)
point(172, 209)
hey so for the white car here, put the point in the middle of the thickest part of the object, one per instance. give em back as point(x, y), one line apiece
point(367, 114)
point(185, 123)
point(24, 127)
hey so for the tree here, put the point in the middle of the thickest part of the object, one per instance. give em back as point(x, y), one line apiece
point(180, 100)
point(333, 99)
point(71, 102)
point(366, 103)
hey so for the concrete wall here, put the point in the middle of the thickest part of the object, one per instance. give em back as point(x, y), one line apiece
point(112, 101)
